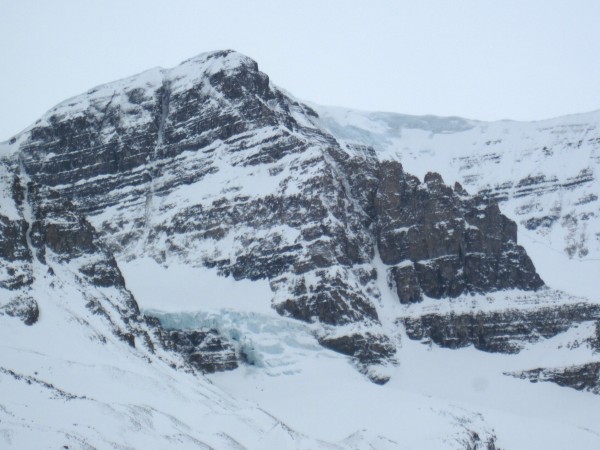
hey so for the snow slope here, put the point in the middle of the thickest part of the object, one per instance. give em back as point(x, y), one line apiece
point(436, 397)
point(68, 381)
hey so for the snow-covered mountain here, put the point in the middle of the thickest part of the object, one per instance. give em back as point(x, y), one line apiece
point(198, 259)
point(544, 174)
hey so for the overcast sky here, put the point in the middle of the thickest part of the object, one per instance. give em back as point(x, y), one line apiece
point(482, 59)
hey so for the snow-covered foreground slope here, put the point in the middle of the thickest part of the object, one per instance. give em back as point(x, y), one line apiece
point(63, 389)
point(436, 398)
point(432, 399)
point(545, 174)
point(69, 382)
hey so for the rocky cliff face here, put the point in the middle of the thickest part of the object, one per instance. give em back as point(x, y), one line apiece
point(444, 243)
point(45, 237)
point(16, 273)
point(212, 165)
point(45, 240)
point(543, 174)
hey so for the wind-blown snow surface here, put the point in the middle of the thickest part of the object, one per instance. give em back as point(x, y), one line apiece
point(546, 175)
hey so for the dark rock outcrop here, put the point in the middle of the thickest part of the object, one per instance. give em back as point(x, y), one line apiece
point(367, 348)
point(504, 331)
point(332, 301)
point(442, 243)
point(15, 254)
point(25, 308)
point(584, 377)
point(594, 341)
point(206, 351)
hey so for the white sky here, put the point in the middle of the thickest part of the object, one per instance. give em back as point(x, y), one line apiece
point(482, 59)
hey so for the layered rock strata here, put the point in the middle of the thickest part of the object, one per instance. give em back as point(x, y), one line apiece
point(211, 165)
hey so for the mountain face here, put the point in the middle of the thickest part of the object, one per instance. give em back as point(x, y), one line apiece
point(209, 170)
point(544, 175)
point(285, 201)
